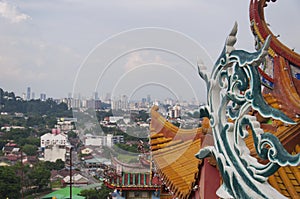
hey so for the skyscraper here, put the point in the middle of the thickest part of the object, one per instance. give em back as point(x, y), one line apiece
point(96, 96)
point(148, 98)
point(28, 93)
point(43, 97)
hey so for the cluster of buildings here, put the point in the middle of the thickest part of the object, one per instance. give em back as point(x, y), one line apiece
point(12, 154)
point(30, 95)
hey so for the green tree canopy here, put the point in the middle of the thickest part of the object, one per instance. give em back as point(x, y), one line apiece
point(29, 149)
point(103, 193)
point(40, 175)
point(9, 183)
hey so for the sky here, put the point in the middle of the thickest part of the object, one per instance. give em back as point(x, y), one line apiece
point(125, 47)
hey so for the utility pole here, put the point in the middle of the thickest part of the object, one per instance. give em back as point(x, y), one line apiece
point(70, 172)
point(22, 174)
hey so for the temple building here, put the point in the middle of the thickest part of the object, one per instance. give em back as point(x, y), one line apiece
point(132, 181)
point(248, 143)
point(173, 149)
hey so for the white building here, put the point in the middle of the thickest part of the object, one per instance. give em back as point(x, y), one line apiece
point(98, 140)
point(65, 124)
point(53, 139)
point(94, 140)
point(175, 111)
point(115, 119)
point(109, 141)
point(76, 179)
point(54, 146)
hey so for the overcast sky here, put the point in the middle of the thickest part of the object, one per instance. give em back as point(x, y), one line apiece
point(60, 46)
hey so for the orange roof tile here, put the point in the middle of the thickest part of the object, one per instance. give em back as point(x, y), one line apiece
point(287, 180)
point(173, 153)
point(178, 167)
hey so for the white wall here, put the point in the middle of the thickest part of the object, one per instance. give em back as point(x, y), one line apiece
point(54, 153)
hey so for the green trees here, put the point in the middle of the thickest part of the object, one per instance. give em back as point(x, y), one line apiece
point(103, 193)
point(29, 149)
point(11, 104)
point(72, 134)
point(40, 176)
point(9, 183)
point(57, 165)
point(130, 148)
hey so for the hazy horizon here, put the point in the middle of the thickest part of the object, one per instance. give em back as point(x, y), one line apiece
point(59, 47)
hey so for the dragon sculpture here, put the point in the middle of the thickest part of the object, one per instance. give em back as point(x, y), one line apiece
point(233, 89)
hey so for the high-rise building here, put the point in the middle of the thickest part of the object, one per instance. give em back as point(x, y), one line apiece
point(96, 96)
point(28, 93)
point(124, 102)
point(32, 95)
point(43, 97)
point(149, 99)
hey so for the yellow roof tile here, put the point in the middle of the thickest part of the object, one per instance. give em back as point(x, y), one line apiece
point(178, 167)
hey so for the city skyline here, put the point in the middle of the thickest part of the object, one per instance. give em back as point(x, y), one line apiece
point(28, 95)
point(43, 45)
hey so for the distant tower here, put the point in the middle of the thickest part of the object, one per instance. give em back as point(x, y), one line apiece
point(28, 93)
point(43, 97)
point(32, 95)
point(124, 102)
point(96, 96)
point(149, 99)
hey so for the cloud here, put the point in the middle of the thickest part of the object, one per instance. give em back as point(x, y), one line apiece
point(11, 13)
point(135, 59)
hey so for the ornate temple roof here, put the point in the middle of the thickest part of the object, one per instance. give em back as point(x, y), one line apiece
point(283, 76)
point(283, 95)
point(177, 167)
point(173, 153)
point(174, 159)
point(287, 179)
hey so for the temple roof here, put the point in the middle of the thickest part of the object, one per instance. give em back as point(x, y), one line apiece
point(287, 179)
point(178, 167)
point(134, 181)
point(173, 153)
point(285, 62)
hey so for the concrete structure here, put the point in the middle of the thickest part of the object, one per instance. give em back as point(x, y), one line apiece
point(55, 152)
point(174, 112)
point(98, 140)
point(65, 124)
